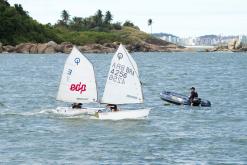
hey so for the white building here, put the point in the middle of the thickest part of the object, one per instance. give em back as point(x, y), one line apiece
point(243, 40)
point(170, 38)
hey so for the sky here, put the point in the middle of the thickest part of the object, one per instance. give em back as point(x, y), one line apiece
point(184, 18)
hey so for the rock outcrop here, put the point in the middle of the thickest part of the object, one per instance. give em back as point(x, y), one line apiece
point(96, 48)
point(66, 47)
point(34, 49)
point(8, 48)
point(41, 48)
point(1, 47)
point(23, 48)
point(231, 45)
point(238, 45)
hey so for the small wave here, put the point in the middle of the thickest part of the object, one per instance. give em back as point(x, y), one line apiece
point(12, 113)
point(46, 111)
point(54, 113)
point(2, 104)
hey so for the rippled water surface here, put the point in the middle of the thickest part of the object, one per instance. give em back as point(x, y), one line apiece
point(31, 134)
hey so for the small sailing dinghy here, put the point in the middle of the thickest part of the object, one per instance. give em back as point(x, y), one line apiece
point(78, 84)
point(123, 87)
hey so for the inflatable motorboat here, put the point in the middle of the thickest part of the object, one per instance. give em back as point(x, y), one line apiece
point(180, 99)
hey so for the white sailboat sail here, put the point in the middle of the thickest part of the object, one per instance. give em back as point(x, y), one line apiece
point(78, 84)
point(123, 85)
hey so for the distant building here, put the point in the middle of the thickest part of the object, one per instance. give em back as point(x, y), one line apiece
point(190, 41)
point(168, 37)
point(243, 40)
point(206, 40)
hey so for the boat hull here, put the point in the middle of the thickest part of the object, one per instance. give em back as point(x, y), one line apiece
point(123, 114)
point(180, 99)
point(73, 112)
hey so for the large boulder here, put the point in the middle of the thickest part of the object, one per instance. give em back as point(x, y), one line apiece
point(50, 50)
point(23, 47)
point(52, 43)
point(8, 48)
point(64, 47)
point(1, 47)
point(52, 47)
point(41, 48)
point(238, 45)
point(46, 48)
point(34, 49)
point(96, 48)
point(110, 45)
point(231, 44)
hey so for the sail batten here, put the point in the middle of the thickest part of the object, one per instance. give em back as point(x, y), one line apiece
point(123, 85)
point(78, 84)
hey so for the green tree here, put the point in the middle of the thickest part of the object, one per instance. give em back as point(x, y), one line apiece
point(128, 23)
point(20, 10)
point(108, 17)
point(4, 3)
point(76, 23)
point(98, 18)
point(117, 26)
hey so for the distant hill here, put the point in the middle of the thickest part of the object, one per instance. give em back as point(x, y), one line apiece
point(163, 34)
point(18, 27)
point(212, 36)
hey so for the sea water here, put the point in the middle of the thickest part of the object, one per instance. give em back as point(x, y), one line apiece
point(31, 134)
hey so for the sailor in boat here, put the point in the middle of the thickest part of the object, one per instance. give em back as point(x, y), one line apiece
point(112, 107)
point(77, 105)
point(194, 100)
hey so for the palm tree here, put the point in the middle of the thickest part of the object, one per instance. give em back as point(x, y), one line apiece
point(150, 22)
point(76, 23)
point(65, 16)
point(77, 20)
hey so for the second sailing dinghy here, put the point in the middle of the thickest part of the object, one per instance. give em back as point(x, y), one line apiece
point(78, 84)
point(123, 87)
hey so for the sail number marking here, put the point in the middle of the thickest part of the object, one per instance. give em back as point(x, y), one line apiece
point(119, 73)
point(78, 87)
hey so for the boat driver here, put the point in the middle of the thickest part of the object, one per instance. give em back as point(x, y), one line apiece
point(193, 96)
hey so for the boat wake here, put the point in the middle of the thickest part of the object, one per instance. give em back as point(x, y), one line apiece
point(51, 113)
point(9, 112)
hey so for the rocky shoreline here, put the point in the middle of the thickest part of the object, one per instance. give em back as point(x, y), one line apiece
point(233, 46)
point(65, 47)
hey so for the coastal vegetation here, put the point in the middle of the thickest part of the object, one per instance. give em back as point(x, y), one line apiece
point(18, 27)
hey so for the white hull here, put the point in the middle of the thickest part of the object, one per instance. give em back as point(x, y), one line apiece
point(72, 112)
point(123, 114)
